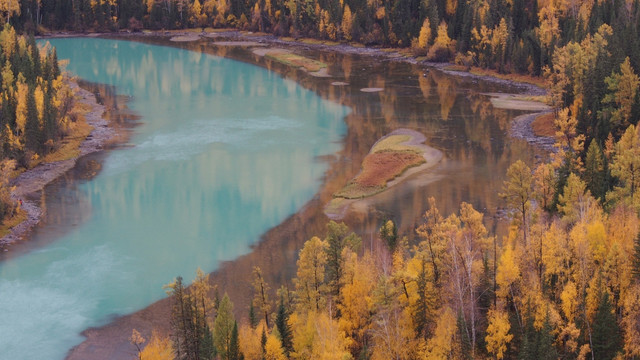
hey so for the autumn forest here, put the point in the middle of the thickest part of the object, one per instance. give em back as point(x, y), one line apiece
point(564, 283)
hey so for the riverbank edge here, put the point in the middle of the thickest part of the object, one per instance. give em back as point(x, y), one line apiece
point(32, 181)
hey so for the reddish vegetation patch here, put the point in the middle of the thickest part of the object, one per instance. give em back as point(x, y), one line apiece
point(544, 125)
point(378, 168)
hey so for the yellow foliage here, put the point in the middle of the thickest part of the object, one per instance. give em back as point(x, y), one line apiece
point(507, 273)
point(623, 88)
point(250, 341)
point(393, 336)
point(309, 279)
point(631, 321)
point(330, 342)
point(347, 23)
point(39, 97)
point(304, 331)
point(498, 333)
point(594, 294)
point(569, 334)
point(159, 348)
point(451, 7)
point(548, 31)
point(356, 303)
point(425, 34)
point(597, 238)
point(442, 345)
point(624, 166)
point(569, 298)
point(10, 7)
point(442, 36)
point(273, 349)
point(21, 107)
point(576, 203)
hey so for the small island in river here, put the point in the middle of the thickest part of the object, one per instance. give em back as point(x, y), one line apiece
point(392, 159)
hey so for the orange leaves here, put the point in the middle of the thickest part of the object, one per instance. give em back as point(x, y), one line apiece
point(508, 272)
point(498, 335)
point(159, 348)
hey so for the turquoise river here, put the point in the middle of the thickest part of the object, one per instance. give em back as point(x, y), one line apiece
point(224, 151)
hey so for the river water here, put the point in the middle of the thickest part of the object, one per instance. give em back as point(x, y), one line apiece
point(225, 151)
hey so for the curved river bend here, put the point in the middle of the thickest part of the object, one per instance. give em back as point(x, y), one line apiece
point(226, 150)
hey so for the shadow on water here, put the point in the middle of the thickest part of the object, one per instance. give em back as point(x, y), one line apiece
point(451, 112)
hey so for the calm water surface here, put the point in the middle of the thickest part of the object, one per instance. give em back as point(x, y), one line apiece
point(226, 150)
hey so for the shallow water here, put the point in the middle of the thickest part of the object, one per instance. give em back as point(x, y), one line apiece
point(225, 151)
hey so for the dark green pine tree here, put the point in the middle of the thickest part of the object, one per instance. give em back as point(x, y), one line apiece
point(282, 323)
point(253, 319)
point(389, 233)
point(54, 63)
point(32, 130)
point(465, 339)
point(537, 344)
point(594, 171)
point(338, 237)
point(36, 68)
point(50, 126)
point(207, 349)
point(234, 346)
point(606, 333)
point(263, 342)
point(546, 350)
point(635, 269)
point(422, 306)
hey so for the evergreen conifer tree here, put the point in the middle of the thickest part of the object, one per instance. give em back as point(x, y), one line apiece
point(33, 134)
point(282, 324)
point(234, 347)
point(636, 258)
point(606, 333)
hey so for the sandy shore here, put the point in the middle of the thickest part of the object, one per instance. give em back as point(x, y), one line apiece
point(521, 129)
point(34, 180)
point(521, 125)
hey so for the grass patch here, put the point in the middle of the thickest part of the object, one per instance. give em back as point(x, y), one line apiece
point(378, 168)
point(543, 125)
point(69, 146)
point(297, 61)
point(8, 224)
point(356, 191)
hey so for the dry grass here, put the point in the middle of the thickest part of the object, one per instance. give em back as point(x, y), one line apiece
point(310, 41)
point(296, 61)
point(538, 81)
point(544, 125)
point(69, 147)
point(9, 223)
point(394, 143)
point(377, 169)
